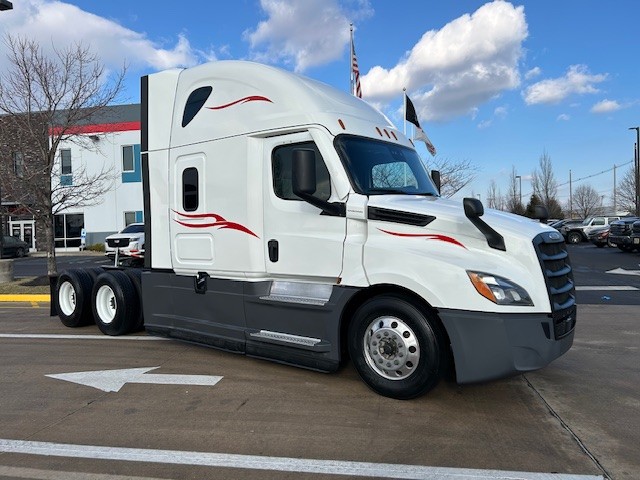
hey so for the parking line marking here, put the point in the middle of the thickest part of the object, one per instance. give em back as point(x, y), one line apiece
point(80, 337)
point(278, 464)
point(38, 474)
point(607, 288)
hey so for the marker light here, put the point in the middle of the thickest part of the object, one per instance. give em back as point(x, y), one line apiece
point(499, 290)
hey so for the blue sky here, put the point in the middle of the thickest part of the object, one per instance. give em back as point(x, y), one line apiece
point(495, 83)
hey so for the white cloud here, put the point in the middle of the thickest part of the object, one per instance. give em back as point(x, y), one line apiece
point(606, 106)
point(55, 22)
point(305, 34)
point(451, 71)
point(577, 80)
point(563, 117)
point(534, 72)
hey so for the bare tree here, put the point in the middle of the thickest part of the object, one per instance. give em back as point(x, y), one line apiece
point(494, 197)
point(454, 174)
point(513, 201)
point(626, 191)
point(586, 201)
point(545, 186)
point(42, 99)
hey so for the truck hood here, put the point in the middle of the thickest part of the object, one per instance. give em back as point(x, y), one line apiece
point(450, 218)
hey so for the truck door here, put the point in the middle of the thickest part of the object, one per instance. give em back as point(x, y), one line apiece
point(299, 242)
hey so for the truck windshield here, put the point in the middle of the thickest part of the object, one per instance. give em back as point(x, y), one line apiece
point(376, 167)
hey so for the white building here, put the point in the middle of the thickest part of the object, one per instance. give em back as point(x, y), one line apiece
point(114, 138)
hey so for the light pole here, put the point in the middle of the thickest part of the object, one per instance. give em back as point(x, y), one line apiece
point(636, 165)
point(519, 177)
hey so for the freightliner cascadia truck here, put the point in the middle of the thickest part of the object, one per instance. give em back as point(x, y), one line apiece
point(290, 221)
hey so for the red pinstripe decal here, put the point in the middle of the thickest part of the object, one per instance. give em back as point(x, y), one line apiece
point(219, 222)
point(252, 98)
point(428, 236)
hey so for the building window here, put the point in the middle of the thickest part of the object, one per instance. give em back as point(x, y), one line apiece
point(127, 159)
point(190, 189)
point(131, 167)
point(65, 170)
point(133, 217)
point(283, 173)
point(68, 229)
point(18, 164)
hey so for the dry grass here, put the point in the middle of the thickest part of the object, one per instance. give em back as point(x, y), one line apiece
point(28, 285)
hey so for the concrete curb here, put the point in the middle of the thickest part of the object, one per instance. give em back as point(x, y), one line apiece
point(44, 297)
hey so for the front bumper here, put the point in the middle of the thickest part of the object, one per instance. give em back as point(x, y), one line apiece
point(487, 346)
point(620, 239)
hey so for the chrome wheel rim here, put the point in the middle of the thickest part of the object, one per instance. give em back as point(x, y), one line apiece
point(391, 348)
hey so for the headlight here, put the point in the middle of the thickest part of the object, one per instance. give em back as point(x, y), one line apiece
point(499, 290)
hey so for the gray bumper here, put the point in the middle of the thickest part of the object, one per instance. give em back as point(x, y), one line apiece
point(487, 346)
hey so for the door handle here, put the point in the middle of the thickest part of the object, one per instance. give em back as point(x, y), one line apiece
point(272, 246)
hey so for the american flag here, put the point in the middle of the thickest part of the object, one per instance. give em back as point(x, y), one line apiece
point(355, 71)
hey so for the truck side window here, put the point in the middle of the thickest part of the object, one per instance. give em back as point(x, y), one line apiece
point(282, 174)
point(190, 189)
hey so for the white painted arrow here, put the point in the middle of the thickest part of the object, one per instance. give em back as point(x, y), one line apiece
point(114, 380)
point(622, 271)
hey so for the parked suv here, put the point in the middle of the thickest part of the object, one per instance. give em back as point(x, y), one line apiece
point(580, 233)
point(620, 234)
point(129, 242)
point(563, 226)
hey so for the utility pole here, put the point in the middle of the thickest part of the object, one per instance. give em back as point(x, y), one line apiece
point(636, 165)
point(615, 203)
point(570, 197)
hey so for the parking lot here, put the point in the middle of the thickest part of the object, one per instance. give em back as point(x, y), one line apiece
point(168, 414)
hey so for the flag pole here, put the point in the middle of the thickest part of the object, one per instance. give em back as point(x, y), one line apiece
point(351, 60)
point(404, 110)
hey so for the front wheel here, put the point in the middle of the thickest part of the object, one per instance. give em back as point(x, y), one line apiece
point(394, 347)
point(574, 237)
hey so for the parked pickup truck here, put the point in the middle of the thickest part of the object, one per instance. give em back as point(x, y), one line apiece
point(580, 233)
point(620, 234)
point(635, 234)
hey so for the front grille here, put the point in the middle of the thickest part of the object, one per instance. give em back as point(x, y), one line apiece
point(118, 242)
point(618, 229)
point(558, 275)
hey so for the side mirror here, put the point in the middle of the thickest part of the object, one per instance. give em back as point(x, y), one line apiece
point(303, 168)
point(541, 213)
point(435, 176)
point(473, 207)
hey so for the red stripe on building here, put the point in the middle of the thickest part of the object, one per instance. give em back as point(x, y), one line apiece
point(98, 128)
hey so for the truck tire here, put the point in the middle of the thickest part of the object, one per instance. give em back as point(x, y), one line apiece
point(135, 274)
point(574, 237)
point(115, 303)
point(73, 298)
point(394, 347)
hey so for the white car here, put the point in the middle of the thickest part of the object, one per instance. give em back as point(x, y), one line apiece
point(129, 242)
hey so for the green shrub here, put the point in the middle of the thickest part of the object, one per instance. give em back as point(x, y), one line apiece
point(96, 247)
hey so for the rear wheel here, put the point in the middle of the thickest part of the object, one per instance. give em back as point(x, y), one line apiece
point(394, 347)
point(20, 252)
point(73, 300)
point(115, 303)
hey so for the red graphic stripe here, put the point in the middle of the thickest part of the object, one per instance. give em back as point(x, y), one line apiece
point(220, 222)
point(428, 236)
point(252, 98)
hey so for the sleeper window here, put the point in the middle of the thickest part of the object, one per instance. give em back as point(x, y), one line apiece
point(190, 189)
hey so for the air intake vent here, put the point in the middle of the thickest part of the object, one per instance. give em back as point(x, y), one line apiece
point(396, 216)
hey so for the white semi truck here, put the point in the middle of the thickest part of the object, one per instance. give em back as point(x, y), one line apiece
point(290, 221)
